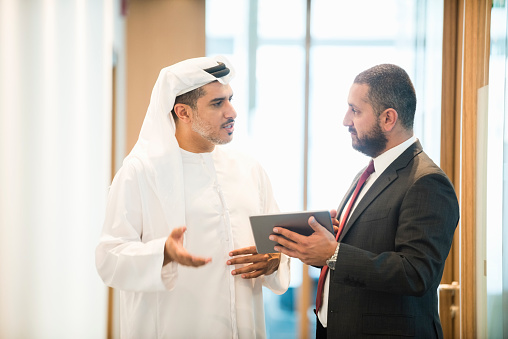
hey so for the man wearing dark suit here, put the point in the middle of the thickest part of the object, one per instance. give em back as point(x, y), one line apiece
point(381, 274)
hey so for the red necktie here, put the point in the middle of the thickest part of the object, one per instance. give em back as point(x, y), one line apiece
point(322, 277)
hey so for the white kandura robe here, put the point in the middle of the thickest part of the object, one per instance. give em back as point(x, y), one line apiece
point(222, 189)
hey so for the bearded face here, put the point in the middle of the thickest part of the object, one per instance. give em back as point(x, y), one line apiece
point(363, 123)
point(371, 142)
point(217, 134)
point(213, 118)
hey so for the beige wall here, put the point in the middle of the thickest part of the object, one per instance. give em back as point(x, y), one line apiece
point(158, 34)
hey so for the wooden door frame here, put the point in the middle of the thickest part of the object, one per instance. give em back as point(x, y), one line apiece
point(466, 50)
point(450, 149)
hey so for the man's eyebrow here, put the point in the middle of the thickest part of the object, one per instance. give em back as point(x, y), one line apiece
point(218, 99)
point(221, 98)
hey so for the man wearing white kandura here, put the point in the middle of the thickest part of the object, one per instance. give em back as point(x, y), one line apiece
point(177, 241)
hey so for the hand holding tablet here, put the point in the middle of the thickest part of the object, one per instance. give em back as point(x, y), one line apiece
point(262, 226)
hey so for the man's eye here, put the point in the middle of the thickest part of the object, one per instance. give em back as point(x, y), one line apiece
point(217, 104)
point(354, 110)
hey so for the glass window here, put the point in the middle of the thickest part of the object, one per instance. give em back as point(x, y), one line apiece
point(266, 41)
point(497, 277)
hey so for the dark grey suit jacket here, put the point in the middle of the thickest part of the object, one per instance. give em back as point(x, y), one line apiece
point(392, 253)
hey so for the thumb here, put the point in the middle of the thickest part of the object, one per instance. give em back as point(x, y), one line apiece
point(178, 232)
point(317, 227)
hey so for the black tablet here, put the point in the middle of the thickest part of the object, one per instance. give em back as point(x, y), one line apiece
point(262, 226)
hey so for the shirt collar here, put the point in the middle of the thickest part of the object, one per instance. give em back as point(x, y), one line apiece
point(381, 162)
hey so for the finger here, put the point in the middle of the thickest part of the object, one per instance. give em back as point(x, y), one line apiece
point(197, 261)
point(250, 268)
point(295, 237)
point(317, 227)
point(248, 259)
point(251, 271)
point(184, 258)
point(252, 275)
point(333, 214)
point(282, 241)
point(287, 251)
point(244, 260)
point(320, 231)
point(245, 250)
point(298, 255)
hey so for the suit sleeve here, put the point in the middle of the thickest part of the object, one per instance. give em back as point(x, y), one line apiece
point(424, 230)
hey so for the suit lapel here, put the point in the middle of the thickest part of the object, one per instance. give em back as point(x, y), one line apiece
point(385, 179)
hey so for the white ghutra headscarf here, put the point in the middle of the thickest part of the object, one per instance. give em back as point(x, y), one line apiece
point(157, 148)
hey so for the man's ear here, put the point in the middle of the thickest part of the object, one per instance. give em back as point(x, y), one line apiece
point(183, 112)
point(388, 119)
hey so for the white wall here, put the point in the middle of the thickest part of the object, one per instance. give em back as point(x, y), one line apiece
point(55, 142)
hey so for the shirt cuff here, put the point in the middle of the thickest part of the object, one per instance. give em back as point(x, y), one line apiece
point(169, 272)
point(169, 275)
point(278, 281)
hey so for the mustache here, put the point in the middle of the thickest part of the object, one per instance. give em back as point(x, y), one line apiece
point(352, 130)
point(228, 122)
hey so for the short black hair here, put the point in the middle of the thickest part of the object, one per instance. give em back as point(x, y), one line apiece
point(190, 98)
point(390, 87)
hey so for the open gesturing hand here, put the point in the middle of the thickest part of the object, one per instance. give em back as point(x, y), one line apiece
point(174, 250)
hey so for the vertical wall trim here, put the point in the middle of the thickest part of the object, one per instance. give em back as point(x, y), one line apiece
point(306, 287)
point(450, 150)
point(252, 60)
point(476, 50)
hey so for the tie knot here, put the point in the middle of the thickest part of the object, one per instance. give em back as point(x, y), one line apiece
point(370, 168)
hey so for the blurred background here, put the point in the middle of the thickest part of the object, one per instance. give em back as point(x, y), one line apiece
point(75, 83)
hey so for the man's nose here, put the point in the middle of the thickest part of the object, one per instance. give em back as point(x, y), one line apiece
point(230, 111)
point(347, 120)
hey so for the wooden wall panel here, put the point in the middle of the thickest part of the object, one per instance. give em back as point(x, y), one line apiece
point(158, 33)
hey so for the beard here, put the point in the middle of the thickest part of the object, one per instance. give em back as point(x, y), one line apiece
point(206, 131)
point(371, 144)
